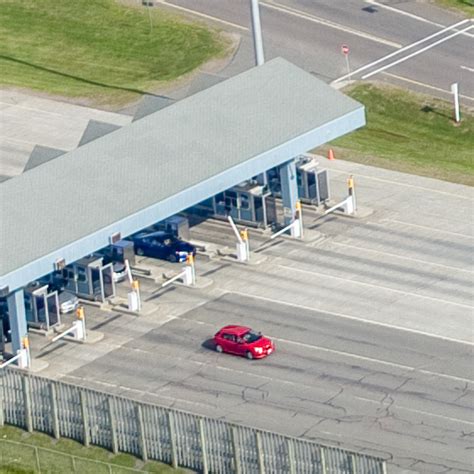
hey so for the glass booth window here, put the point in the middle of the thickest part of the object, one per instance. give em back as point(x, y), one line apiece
point(244, 201)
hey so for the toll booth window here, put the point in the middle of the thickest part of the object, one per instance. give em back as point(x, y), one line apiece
point(311, 179)
point(231, 199)
point(220, 198)
point(299, 178)
point(81, 275)
point(244, 202)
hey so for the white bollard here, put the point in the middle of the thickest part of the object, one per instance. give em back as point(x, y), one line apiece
point(188, 275)
point(23, 359)
point(242, 251)
point(133, 304)
point(296, 229)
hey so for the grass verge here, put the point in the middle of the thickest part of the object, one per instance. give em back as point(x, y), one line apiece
point(411, 133)
point(21, 459)
point(465, 6)
point(101, 49)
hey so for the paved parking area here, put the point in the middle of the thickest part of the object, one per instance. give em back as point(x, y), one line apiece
point(28, 121)
point(372, 320)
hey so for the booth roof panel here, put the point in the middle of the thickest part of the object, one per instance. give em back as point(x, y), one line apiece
point(147, 161)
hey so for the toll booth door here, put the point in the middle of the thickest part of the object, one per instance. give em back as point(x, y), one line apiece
point(96, 283)
point(270, 210)
point(53, 308)
point(323, 186)
point(312, 189)
point(102, 282)
point(107, 278)
point(41, 315)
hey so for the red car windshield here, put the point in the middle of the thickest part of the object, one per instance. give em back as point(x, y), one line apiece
point(251, 336)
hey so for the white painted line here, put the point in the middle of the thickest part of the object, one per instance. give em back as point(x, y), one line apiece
point(309, 17)
point(203, 15)
point(412, 410)
point(411, 15)
point(353, 318)
point(414, 186)
point(428, 86)
point(379, 287)
point(470, 69)
point(431, 229)
point(416, 53)
point(408, 46)
point(401, 257)
point(371, 360)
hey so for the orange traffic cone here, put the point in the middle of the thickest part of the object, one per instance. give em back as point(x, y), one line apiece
point(331, 154)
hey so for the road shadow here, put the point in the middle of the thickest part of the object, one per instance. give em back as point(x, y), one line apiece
point(209, 344)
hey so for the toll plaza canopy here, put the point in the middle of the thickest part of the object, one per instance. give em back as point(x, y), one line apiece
point(164, 163)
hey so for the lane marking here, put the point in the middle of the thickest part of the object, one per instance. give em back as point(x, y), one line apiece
point(412, 410)
point(353, 318)
point(309, 17)
point(416, 53)
point(431, 229)
point(371, 360)
point(414, 186)
point(424, 262)
point(424, 84)
point(379, 287)
point(470, 69)
point(203, 15)
point(408, 46)
point(403, 12)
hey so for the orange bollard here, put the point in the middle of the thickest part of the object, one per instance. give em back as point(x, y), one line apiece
point(331, 154)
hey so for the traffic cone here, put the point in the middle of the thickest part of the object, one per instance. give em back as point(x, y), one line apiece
point(331, 154)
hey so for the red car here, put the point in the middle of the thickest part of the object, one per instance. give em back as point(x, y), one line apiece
point(241, 340)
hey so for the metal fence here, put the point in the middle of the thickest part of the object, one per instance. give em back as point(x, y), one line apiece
point(15, 456)
point(175, 437)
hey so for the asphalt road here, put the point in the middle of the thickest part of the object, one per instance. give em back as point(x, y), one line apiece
point(310, 34)
point(372, 319)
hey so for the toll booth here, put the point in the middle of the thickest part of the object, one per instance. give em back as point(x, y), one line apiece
point(5, 335)
point(248, 203)
point(41, 306)
point(88, 278)
point(175, 225)
point(119, 252)
point(312, 182)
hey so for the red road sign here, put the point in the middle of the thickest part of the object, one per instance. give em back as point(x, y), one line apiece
point(345, 49)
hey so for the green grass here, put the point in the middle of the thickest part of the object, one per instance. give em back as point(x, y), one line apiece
point(20, 459)
point(99, 49)
point(411, 133)
point(465, 6)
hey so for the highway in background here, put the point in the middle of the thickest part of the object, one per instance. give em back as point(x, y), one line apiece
point(311, 34)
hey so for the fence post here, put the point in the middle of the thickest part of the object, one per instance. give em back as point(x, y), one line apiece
point(261, 460)
point(2, 405)
point(235, 447)
point(73, 464)
point(291, 456)
point(54, 410)
point(113, 424)
point(25, 384)
point(141, 433)
point(205, 465)
point(85, 417)
point(323, 461)
point(174, 458)
point(353, 464)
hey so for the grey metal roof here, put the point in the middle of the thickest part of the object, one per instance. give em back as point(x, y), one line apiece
point(202, 144)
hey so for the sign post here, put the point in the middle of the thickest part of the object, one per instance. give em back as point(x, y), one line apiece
point(455, 91)
point(345, 52)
